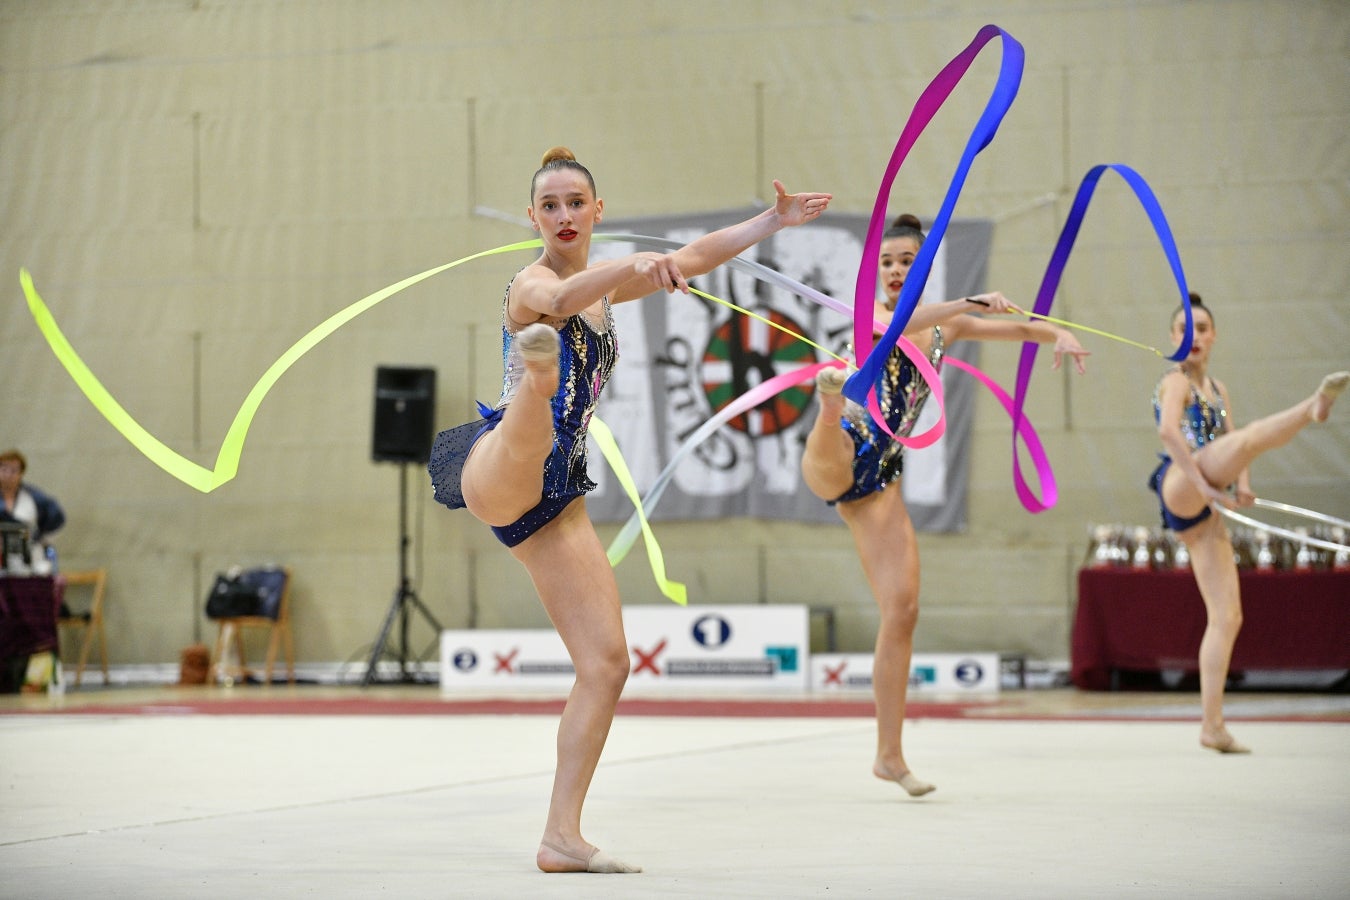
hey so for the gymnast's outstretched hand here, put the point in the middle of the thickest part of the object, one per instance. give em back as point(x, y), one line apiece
point(798, 209)
point(1067, 344)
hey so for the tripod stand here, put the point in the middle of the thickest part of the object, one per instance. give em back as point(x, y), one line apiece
point(404, 597)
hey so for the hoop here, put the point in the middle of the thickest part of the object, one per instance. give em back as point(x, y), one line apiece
point(1305, 513)
point(1286, 533)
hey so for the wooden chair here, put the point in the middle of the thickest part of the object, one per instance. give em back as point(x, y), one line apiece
point(275, 617)
point(90, 623)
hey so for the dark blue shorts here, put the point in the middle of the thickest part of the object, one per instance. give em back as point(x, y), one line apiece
point(543, 512)
point(1170, 519)
point(446, 468)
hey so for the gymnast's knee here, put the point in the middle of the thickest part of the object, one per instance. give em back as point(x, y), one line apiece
point(899, 615)
point(1227, 619)
point(607, 671)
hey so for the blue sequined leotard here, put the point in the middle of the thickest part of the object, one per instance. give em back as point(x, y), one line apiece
point(1201, 423)
point(588, 352)
point(901, 391)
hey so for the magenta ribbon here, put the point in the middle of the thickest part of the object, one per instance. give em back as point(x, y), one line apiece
point(1021, 427)
point(861, 385)
point(862, 382)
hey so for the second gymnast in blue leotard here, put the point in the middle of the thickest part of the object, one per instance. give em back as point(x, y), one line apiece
point(522, 468)
point(851, 463)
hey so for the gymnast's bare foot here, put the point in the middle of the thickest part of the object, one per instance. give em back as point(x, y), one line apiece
point(1221, 741)
point(1327, 392)
point(539, 349)
point(552, 858)
point(913, 786)
point(831, 381)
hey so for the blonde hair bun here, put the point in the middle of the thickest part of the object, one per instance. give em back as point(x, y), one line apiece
point(557, 153)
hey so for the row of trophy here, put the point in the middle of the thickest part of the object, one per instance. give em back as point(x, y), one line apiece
point(1141, 547)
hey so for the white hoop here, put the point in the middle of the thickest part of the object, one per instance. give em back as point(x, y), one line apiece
point(1284, 532)
point(1300, 511)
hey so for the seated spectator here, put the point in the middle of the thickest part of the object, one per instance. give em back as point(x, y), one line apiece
point(30, 506)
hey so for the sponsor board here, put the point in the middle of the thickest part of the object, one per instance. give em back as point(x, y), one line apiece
point(671, 649)
point(929, 673)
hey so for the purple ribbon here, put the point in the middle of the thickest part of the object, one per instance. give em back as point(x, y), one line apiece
point(1055, 270)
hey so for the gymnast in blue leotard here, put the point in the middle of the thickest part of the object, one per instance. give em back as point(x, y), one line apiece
point(878, 459)
point(587, 353)
point(1205, 463)
point(1203, 419)
point(855, 466)
point(521, 469)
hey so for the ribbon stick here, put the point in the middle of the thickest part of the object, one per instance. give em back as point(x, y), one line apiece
point(1106, 334)
point(769, 322)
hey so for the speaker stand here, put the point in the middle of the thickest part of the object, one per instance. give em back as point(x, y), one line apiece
point(404, 598)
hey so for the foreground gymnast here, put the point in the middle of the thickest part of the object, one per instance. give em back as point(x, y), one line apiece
point(856, 467)
point(1204, 455)
point(522, 470)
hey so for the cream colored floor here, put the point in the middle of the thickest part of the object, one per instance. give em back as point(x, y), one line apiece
point(118, 802)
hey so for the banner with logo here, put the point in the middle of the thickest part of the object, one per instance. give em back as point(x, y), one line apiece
point(684, 357)
point(929, 673)
point(672, 649)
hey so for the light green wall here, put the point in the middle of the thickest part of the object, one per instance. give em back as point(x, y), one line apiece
point(194, 185)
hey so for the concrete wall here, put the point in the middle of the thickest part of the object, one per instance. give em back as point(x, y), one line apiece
point(195, 185)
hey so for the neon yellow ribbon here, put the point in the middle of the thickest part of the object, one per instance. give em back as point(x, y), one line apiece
point(604, 439)
point(227, 460)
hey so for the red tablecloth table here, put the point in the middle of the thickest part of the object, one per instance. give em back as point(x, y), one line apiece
point(28, 611)
point(1149, 621)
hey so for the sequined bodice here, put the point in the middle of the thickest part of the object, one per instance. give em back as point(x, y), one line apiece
point(901, 393)
point(1201, 420)
point(588, 352)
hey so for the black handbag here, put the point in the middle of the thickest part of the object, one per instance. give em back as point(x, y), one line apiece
point(232, 596)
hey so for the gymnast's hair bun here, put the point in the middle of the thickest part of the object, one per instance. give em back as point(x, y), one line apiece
point(1195, 299)
point(558, 153)
point(907, 220)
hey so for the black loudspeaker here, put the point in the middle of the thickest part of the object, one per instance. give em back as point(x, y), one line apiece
point(405, 408)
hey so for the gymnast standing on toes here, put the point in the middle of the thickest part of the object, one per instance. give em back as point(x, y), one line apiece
point(1203, 456)
point(522, 469)
point(855, 466)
